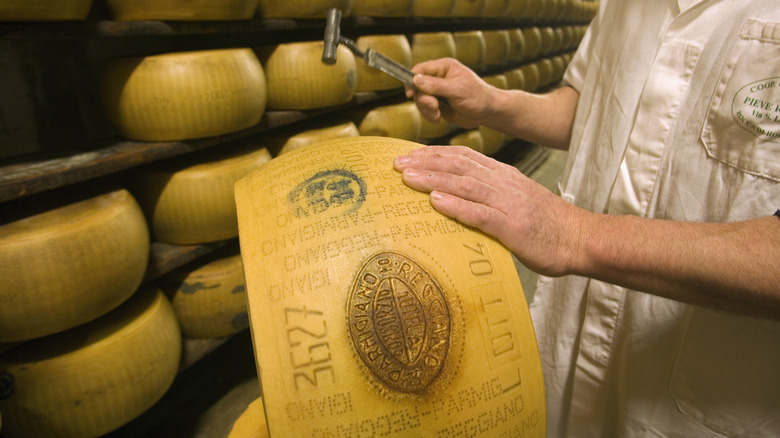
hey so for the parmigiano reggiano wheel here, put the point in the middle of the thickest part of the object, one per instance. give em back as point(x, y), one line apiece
point(545, 67)
point(371, 311)
point(178, 96)
point(44, 10)
point(468, 8)
point(559, 66)
point(516, 44)
point(492, 140)
point(558, 40)
point(495, 8)
point(396, 47)
point(434, 8)
point(534, 8)
point(383, 8)
point(302, 8)
point(432, 45)
point(471, 138)
point(533, 42)
point(399, 120)
point(316, 135)
point(299, 80)
point(251, 424)
point(94, 378)
point(516, 8)
point(71, 263)
point(210, 298)
point(192, 10)
point(429, 130)
point(548, 39)
point(531, 76)
point(470, 48)
point(190, 201)
point(496, 47)
point(515, 79)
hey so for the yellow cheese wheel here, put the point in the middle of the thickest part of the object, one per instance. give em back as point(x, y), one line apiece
point(470, 48)
point(516, 44)
point(550, 8)
point(44, 10)
point(432, 45)
point(559, 66)
point(495, 8)
point(395, 47)
point(209, 298)
point(531, 76)
point(515, 79)
point(372, 313)
point(70, 263)
point(297, 139)
point(548, 40)
point(471, 138)
point(251, 423)
point(383, 8)
point(533, 42)
point(558, 40)
point(178, 96)
point(534, 8)
point(468, 8)
point(429, 130)
point(94, 378)
point(192, 10)
point(496, 47)
point(492, 140)
point(301, 8)
point(399, 120)
point(516, 8)
point(433, 8)
point(546, 70)
point(190, 201)
point(298, 79)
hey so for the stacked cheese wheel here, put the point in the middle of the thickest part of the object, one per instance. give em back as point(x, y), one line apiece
point(471, 138)
point(383, 8)
point(69, 261)
point(178, 96)
point(209, 298)
point(94, 378)
point(395, 47)
point(192, 10)
point(470, 48)
point(301, 8)
point(434, 8)
point(291, 139)
point(432, 45)
point(399, 120)
point(44, 10)
point(190, 201)
point(468, 8)
point(492, 140)
point(251, 423)
point(496, 47)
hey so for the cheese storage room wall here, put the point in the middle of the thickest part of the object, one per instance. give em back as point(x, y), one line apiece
point(123, 127)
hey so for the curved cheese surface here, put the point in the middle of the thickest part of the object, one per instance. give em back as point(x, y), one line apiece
point(395, 47)
point(44, 10)
point(301, 8)
point(192, 10)
point(251, 423)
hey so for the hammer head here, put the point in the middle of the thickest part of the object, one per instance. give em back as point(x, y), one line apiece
point(332, 35)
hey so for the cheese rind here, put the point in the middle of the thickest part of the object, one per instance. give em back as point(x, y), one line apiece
point(301, 8)
point(44, 10)
point(395, 47)
point(289, 141)
point(383, 8)
point(400, 120)
point(251, 423)
point(432, 45)
point(192, 10)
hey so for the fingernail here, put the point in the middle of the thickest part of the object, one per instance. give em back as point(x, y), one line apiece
point(418, 80)
point(436, 196)
point(402, 160)
point(412, 172)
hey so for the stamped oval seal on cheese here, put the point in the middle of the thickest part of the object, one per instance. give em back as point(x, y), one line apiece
point(400, 322)
point(330, 192)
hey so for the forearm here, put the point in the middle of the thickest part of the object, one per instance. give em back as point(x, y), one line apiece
point(726, 266)
point(544, 119)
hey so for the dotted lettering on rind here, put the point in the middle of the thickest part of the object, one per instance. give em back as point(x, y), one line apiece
point(332, 192)
point(6, 385)
point(399, 322)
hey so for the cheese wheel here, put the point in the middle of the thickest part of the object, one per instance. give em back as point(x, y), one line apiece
point(70, 263)
point(559, 66)
point(92, 379)
point(372, 313)
point(383, 8)
point(533, 42)
point(546, 70)
point(531, 76)
point(299, 80)
point(496, 47)
point(395, 47)
point(516, 8)
point(547, 41)
point(470, 48)
point(399, 120)
point(433, 8)
point(471, 138)
point(468, 8)
point(516, 44)
point(430, 130)
point(534, 8)
point(178, 96)
point(550, 8)
point(192, 10)
point(495, 8)
point(251, 423)
point(558, 40)
point(492, 140)
point(315, 135)
point(190, 201)
point(209, 298)
point(515, 79)
point(44, 10)
point(432, 45)
point(301, 8)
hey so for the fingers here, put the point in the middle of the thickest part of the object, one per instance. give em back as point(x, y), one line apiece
point(454, 159)
point(473, 214)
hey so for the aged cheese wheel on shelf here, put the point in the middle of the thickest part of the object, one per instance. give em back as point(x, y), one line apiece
point(44, 10)
point(290, 141)
point(371, 311)
point(468, 8)
point(395, 47)
point(399, 120)
point(516, 44)
point(432, 45)
point(301, 8)
point(496, 47)
point(251, 423)
point(94, 378)
point(533, 42)
point(516, 8)
point(430, 130)
point(192, 10)
point(495, 8)
point(470, 48)
point(531, 76)
point(534, 8)
point(298, 79)
point(547, 41)
point(558, 39)
point(209, 298)
point(433, 8)
point(190, 200)
point(559, 66)
point(383, 8)
point(492, 140)
point(515, 79)
point(546, 70)
point(184, 95)
point(69, 261)
point(471, 138)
